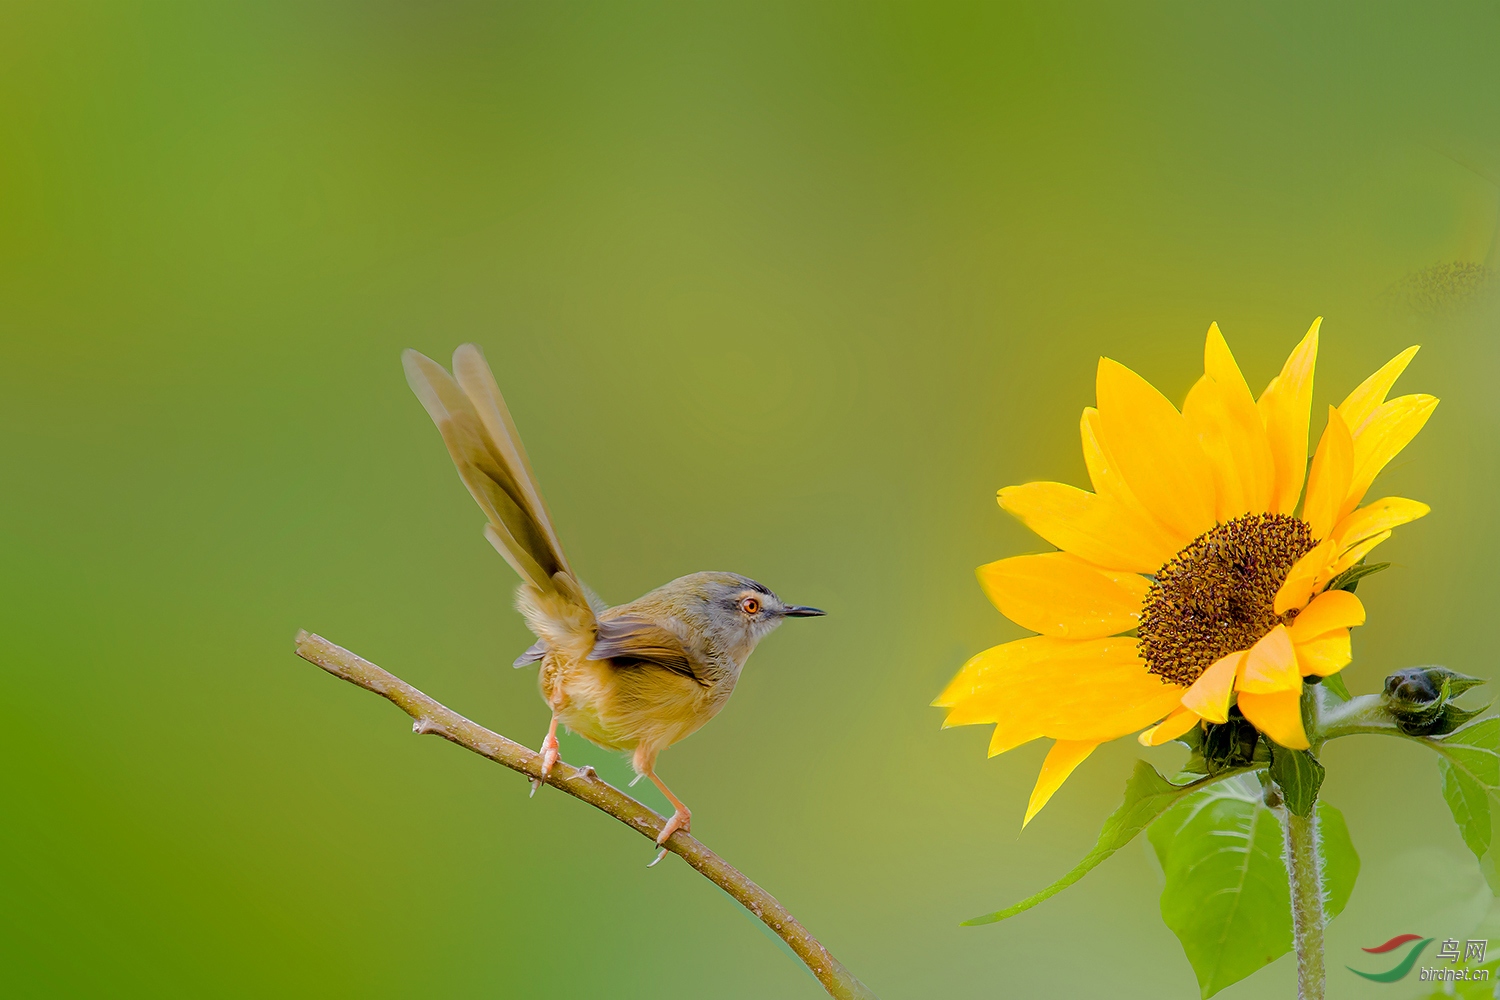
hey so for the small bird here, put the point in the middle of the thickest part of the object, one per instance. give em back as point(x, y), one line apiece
point(637, 677)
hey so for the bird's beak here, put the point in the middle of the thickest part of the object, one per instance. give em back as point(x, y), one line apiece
point(802, 611)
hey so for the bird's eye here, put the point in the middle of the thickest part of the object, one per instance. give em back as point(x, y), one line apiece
point(750, 605)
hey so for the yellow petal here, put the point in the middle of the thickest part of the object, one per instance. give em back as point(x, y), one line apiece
point(1168, 729)
point(1209, 695)
point(1223, 417)
point(1230, 446)
point(1389, 429)
point(1102, 691)
point(1271, 665)
point(1006, 738)
point(1328, 482)
point(1351, 556)
point(1219, 364)
point(1083, 523)
point(1360, 403)
point(1305, 575)
point(1284, 407)
point(1110, 484)
point(1277, 715)
point(1155, 450)
point(1328, 611)
point(1327, 654)
point(996, 662)
point(1375, 517)
point(1060, 595)
point(1094, 689)
point(1041, 686)
point(1064, 756)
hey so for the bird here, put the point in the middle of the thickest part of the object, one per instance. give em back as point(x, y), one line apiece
point(634, 678)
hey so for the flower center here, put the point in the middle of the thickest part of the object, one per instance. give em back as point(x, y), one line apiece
point(1216, 596)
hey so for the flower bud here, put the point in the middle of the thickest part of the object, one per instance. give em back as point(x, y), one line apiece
point(1420, 699)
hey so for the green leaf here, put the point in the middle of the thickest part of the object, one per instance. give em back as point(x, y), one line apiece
point(1299, 776)
point(1470, 767)
point(1335, 683)
point(1227, 896)
point(1147, 796)
point(1349, 578)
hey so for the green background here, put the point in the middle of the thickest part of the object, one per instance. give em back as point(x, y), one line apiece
point(784, 289)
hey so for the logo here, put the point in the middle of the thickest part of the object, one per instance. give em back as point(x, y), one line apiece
point(1415, 944)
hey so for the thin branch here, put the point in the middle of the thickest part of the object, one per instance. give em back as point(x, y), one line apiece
point(583, 783)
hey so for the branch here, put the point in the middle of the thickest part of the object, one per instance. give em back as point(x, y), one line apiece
point(583, 783)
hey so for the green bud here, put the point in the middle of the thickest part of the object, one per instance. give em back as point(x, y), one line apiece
point(1420, 699)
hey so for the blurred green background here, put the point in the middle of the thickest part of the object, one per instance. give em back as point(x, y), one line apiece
point(786, 289)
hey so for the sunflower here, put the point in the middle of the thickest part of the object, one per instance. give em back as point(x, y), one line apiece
point(1190, 579)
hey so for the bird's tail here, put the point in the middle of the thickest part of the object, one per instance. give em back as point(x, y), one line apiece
point(476, 426)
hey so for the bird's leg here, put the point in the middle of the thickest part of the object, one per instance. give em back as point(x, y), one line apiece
point(549, 755)
point(682, 817)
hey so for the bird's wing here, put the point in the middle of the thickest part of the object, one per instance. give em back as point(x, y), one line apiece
point(631, 639)
point(476, 426)
point(533, 654)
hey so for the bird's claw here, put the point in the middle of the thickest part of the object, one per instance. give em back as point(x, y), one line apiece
point(550, 755)
point(680, 820)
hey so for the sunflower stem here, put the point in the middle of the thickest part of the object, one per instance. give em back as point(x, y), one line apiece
point(1364, 714)
point(1304, 865)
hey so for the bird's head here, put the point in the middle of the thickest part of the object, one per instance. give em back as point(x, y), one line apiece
point(735, 611)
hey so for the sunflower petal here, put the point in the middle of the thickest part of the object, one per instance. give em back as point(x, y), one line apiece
point(1209, 695)
point(1102, 691)
point(1271, 665)
point(1332, 609)
point(1284, 407)
point(1231, 433)
point(1328, 481)
point(1278, 715)
point(1168, 729)
point(1359, 404)
point(1009, 671)
point(1085, 524)
point(1351, 556)
point(1375, 517)
point(1007, 738)
point(1219, 364)
point(1155, 449)
point(1232, 445)
point(1389, 429)
point(1060, 595)
point(1110, 484)
point(1064, 756)
point(1096, 689)
point(1327, 654)
point(1305, 576)
point(984, 668)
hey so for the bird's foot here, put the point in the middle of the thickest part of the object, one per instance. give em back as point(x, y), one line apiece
point(550, 757)
point(681, 820)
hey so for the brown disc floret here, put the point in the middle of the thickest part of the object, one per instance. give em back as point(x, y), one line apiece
point(1217, 595)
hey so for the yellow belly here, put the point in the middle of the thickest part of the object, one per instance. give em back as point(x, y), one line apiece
point(621, 708)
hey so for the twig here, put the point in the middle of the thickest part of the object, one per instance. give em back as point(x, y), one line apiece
point(583, 783)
